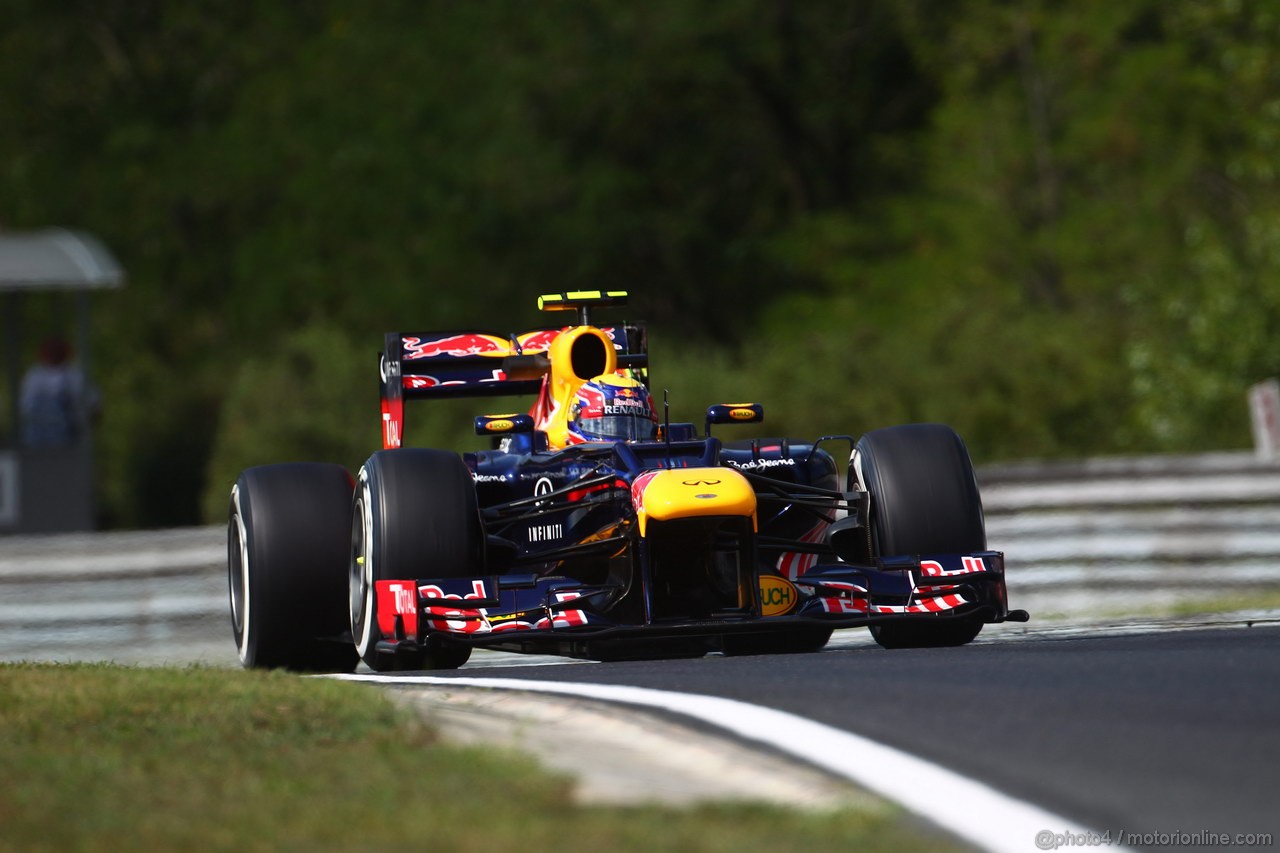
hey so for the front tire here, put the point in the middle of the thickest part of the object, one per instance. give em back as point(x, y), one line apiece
point(924, 500)
point(415, 515)
point(286, 567)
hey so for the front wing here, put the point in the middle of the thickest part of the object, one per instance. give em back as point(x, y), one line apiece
point(532, 613)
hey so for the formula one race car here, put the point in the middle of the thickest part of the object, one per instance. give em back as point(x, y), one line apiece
point(593, 529)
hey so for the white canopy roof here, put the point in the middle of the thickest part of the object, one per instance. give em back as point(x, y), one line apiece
point(55, 259)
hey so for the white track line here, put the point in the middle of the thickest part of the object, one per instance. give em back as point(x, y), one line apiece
point(972, 810)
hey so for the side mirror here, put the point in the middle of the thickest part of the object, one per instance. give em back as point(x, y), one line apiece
point(734, 413)
point(503, 424)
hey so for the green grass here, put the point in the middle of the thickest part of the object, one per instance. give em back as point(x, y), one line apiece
point(1208, 605)
point(1258, 600)
point(102, 757)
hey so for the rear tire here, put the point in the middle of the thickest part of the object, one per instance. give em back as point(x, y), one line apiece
point(924, 500)
point(287, 567)
point(415, 515)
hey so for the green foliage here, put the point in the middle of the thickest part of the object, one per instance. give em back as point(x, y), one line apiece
point(314, 397)
point(1057, 228)
point(1213, 323)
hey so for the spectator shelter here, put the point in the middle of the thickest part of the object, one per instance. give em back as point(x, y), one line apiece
point(47, 489)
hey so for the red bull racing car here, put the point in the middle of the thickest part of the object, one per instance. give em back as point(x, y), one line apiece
point(596, 529)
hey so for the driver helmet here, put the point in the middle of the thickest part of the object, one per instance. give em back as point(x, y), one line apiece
point(612, 408)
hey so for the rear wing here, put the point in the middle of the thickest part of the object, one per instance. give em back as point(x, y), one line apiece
point(427, 365)
point(482, 364)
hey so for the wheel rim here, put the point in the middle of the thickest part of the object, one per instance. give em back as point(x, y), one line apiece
point(360, 571)
point(235, 580)
point(238, 576)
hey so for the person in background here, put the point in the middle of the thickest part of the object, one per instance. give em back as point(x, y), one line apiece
point(53, 399)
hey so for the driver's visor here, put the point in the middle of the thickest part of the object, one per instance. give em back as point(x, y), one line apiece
point(619, 427)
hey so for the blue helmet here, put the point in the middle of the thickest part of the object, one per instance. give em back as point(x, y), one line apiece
point(612, 408)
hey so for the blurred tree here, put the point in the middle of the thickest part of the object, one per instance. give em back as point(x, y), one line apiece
point(1211, 325)
point(1075, 214)
point(1055, 227)
point(312, 398)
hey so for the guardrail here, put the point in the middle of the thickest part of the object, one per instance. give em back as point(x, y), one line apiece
point(139, 596)
point(1103, 537)
point(1113, 536)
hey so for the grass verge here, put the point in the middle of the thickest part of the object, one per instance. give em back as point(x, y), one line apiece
point(1212, 605)
point(103, 757)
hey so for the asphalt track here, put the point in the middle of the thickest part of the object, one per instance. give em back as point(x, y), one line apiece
point(1169, 732)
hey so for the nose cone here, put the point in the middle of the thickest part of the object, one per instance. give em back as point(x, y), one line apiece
point(690, 493)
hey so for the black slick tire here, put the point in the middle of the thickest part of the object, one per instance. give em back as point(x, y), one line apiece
point(287, 567)
point(924, 499)
point(415, 515)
